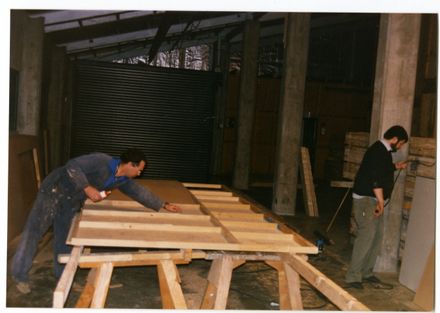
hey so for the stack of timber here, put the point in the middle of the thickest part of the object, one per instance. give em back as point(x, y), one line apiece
point(215, 225)
point(422, 157)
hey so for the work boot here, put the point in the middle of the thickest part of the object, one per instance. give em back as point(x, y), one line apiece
point(376, 283)
point(355, 285)
point(23, 287)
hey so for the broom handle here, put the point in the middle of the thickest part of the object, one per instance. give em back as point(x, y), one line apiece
point(337, 211)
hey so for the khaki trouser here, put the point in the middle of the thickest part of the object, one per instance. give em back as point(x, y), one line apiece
point(368, 240)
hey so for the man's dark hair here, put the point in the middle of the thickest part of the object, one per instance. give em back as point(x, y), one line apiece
point(396, 131)
point(133, 155)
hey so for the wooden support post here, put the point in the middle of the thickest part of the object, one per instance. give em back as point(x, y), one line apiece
point(169, 282)
point(85, 299)
point(219, 280)
point(103, 278)
point(63, 287)
point(288, 285)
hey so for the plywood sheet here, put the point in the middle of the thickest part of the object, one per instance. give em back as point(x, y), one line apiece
point(420, 234)
point(425, 292)
point(168, 190)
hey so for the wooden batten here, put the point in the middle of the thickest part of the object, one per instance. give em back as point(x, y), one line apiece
point(205, 186)
point(197, 192)
point(307, 181)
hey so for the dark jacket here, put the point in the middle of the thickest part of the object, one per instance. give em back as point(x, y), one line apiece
point(376, 171)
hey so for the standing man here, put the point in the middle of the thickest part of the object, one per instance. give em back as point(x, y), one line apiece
point(63, 193)
point(372, 189)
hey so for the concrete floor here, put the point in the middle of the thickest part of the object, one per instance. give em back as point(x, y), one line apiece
point(254, 285)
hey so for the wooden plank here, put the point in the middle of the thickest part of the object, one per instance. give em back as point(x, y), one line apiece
point(171, 292)
point(307, 181)
point(219, 205)
point(65, 282)
point(231, 211)
point(147, 220)
point(154, 227)
point(211, 193)
point(207, 186)
point(217, 198)
point(238, 216)
point(102, 283)
point(155, 215)
point(131, 205)
point(338, 296)
point(133, 256)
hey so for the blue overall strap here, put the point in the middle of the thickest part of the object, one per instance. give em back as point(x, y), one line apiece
point(112, 180)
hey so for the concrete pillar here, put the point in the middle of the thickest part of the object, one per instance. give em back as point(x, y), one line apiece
point(56, 106)
point(394, 89)
point(291, 113)
point(246, 110)
point(29, 94)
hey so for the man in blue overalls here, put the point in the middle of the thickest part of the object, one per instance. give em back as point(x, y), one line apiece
point(63, 193)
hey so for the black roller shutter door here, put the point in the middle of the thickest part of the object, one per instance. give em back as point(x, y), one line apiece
point(165, 112)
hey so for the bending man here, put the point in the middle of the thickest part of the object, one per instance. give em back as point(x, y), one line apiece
point(63, 193)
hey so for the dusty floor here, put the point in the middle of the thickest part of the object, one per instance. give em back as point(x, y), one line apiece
point(254, 285)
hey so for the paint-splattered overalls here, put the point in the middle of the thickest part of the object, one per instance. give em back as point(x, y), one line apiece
point(61, 196)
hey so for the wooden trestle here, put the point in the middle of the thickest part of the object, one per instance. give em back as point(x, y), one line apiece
point(215, 225)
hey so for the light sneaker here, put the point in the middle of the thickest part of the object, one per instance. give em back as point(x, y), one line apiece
point(23, 287)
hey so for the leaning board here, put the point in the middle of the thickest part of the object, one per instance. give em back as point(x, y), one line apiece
point(215, 220)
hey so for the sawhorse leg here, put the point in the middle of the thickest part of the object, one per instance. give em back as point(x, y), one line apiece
point(169, 282)
point(289, 286)
point(95, 291)
point(219, 281)
point(85, 299)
